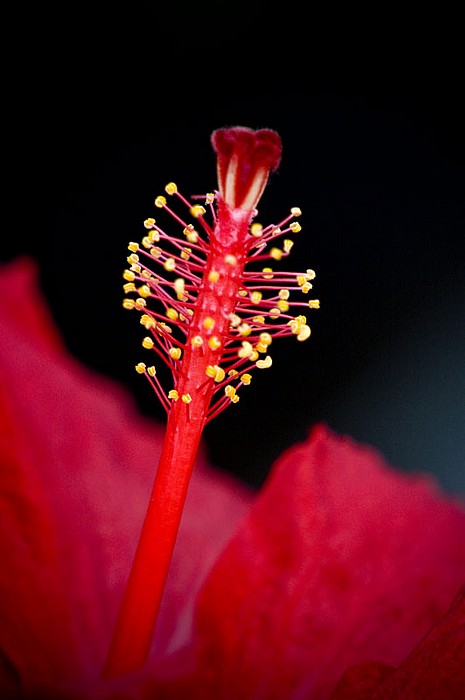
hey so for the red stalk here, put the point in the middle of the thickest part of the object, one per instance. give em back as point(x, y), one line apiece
point(222, 324)
point(134, 630)
point(136, 623)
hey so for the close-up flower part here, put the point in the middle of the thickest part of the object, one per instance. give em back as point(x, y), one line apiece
point(341, 579)
point(212, 303)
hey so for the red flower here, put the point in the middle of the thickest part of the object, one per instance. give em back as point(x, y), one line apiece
point(334, 581)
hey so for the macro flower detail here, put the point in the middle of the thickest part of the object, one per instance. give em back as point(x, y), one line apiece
point(210, 298)
point(335, 581)
point(212, 303)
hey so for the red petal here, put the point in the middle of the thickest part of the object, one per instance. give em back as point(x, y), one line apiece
point(23, 308)
point(342, 560)
point(434, 670)
point(77, 465)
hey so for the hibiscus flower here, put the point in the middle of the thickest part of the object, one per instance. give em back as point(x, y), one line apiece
point(341, 579)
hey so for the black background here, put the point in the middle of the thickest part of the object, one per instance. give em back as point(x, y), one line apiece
point(108, 105)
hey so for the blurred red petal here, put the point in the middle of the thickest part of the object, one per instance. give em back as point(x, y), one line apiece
point(434, 670)
point(342, 560)
point(76, 470)
point(343, 563)
point(22, 306)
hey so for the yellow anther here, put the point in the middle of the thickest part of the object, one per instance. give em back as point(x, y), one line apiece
point(287, 245)
point(314, 303)
point(136, 268)
point(129, 276)
point(256, 297)
point(133, 258)
point(274, 313)
point(146, 242)
point(147, 343)
point(258, 319)
point(213, 276)
point(144, 291)
point(169, 264)
point(171, 188)
point(264, 364)
point(276, 253)
point(301, 319)
point(192, 237)
point(129, 287)
point(311, 274)
point(160, 202)
point(215, 372)
point(301, 280)
point(155, 252)
point(151, 370)
point(179, 286)
point(173, 394)
point(234, 320)
point(260, 347)
point(235, 398)
point(128, 303)
point(219, 374)
point(197, 341)
point(140, 303)
point(175, 353)
point(154, 236)
point(147, 321)
point(256, 230)
point(265, 338)
point(307, 287)
point(214, 342)
point(186, 253)
point(246, 349)
point(172, 314)
point(230, 259)
point(148, 275)
point(233, 372)
point(209, 323)
point(141, 368)
point(148, 223)
point(283, 305)
point(283, 294)
point(209, 198)
point(295, 211)
point(296, 324)
point(269, 273)
point(244, 329)
point(243, 292)
point(165, 327)
point(246, 379)
point(254, 356)
point(134, 247)
point(304, 333)
point(229, 390)
point(187, 398)
point(197, 210)
point(295, 227)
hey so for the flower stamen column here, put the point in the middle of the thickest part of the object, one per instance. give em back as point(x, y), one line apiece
point(222, 317)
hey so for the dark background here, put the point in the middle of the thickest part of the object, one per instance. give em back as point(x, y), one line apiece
point(110, 106)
